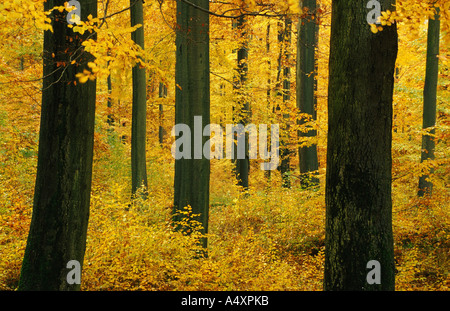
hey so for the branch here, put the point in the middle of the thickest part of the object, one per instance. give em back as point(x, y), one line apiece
point(232, 16)
point(105, 11)
point(121, 11)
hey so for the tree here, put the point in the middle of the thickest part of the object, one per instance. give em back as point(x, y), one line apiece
point(110, 117)
point(242, 110)
point(284, 89)
point(162, 93)
point(358, 178)
point(192, 98)
point(429, 101)
point(306, 87)
point(139, 110)
point(63, 183)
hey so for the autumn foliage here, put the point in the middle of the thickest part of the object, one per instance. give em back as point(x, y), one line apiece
point(270, 238)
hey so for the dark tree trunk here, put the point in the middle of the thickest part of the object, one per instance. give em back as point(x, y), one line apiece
point(269, 86)
point(162, 94)
point(63, 183)
point(358, 179)
point(429, 101)
point(139, 111)
point(284, 90)
point(242, 110)
point(110, 117)
point(192, 98)
point(306, 86)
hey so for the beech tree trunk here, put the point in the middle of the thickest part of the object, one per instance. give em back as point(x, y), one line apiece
point(429, 101)
point(63, 183)
point(284, 89)
point(306, 86)
point(192, 98)
point(358, 178)
point(242, 110)
point(162, 94)
point(110, 117)
point(139, 110)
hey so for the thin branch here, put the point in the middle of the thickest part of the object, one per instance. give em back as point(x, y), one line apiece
point(231, 16)
point(121, 11)
point(225, 79)
point(105, 11)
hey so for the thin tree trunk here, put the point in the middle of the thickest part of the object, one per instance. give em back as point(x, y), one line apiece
point(139, 110)
point(64, 171)
point(269, 86)
point(306, 86)
point(242, 110)
point(162, 94)
point(284, 89)
point(110, 118)
point(429, 101)
point(358, 179)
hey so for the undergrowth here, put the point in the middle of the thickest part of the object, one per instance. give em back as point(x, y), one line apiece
point(269, 238)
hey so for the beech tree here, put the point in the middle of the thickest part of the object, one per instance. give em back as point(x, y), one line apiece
point(429, 100)
point(139, 110)
point(284, 90)
point(358, 178)
point(306, 87)
point(242, 109)
point(63, 183)
point(192, 98)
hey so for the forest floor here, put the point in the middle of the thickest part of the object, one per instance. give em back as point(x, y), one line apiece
point(271, 238)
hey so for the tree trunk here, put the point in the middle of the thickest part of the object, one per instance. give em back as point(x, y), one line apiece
point(284, 89)
point(306, 86)
point(429, 101)
point(162, 94)
point(110, 117)
point(139, 111)
point(63, 183)
point(269, 86)
point(192, 98)
point(242, 110)
point(358, 178)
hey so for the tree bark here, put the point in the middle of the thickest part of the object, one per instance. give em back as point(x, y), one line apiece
point(242, 110)
point(110, 117)
point(139, 110)
point(192, 98)
point(358, 178)
point(162, 94)
point(284, 89)
point(306, 86)
point(62, 191)
point(267, 173)
point(286, 153)
point(429, 101)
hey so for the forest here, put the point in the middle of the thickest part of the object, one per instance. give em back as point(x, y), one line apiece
point(328, 168)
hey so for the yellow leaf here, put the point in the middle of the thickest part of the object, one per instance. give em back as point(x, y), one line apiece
point(373, 28)
point(83, 79)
